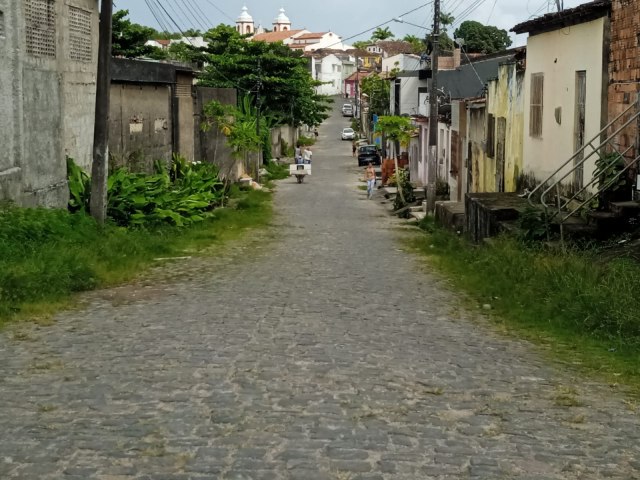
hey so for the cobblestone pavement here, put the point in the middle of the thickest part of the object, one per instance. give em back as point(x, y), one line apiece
point(324, 354)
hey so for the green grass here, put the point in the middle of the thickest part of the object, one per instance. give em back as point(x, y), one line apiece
point(47, 255)
point(585, 312)
point(277, 171)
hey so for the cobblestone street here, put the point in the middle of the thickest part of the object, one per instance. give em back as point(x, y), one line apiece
point(323, 353)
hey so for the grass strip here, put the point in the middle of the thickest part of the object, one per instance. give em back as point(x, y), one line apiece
point(585, 312)
point(47, 255)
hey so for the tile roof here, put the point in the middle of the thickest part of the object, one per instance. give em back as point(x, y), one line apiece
point(394, 47)
point(272, 37)
point(571, 16)
point(307, 36)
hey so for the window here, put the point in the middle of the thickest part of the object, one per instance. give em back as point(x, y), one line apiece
point(491, 135)
point(40, 19)
point(535, 111)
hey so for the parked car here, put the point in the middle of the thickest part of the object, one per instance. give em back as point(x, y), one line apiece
point(369, 153)
point(348, 134)
point(347, 110)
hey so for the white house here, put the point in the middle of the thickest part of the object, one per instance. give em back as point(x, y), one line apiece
point(331, 69)
point(311, 41)
point(565, 89)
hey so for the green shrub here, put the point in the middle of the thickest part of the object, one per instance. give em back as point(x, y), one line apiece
point(187, 193)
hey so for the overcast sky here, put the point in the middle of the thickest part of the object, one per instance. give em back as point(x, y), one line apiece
point(347, 18)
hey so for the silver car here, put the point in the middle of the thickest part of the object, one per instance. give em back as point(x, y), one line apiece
point(348, 134)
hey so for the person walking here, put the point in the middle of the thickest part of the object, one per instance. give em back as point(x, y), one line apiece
point(354, 147)
point(306, 155)
point(298, 154)
point(370, 177)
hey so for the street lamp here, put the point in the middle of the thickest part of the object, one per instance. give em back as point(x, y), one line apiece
point(402, 20)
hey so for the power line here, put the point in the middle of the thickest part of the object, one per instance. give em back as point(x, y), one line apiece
point(157, 16)
point(220, 10)
point(380, 25)
point(193, 16)
point(200, 12)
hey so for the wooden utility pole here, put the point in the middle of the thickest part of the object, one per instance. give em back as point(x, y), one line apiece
point(432, 159)
point(100, 166)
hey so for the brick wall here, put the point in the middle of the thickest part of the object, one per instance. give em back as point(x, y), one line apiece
point(624, 65)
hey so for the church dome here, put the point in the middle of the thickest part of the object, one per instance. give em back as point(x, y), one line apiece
point(244, 16)
point(282, 18)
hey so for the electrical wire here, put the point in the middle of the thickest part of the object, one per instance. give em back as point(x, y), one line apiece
point(200, 12)
point(193, 16)
point(380, 25)
point(220, 10)
point(157, 16)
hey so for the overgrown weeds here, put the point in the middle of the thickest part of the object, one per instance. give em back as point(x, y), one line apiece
point(581, 307)
point(47, 255)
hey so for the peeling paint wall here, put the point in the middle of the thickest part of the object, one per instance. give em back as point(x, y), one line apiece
point(480, 170)
point(505, 101)
point(559, 55)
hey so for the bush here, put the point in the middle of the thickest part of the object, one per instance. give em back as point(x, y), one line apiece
point(185, 194)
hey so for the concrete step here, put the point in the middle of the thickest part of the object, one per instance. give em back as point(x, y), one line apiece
point(418, 215)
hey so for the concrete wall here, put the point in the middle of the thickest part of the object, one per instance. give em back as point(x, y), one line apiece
point(559, 54)
point(329, 71)
point(505, 101)
point(624, 68)
point(211, 146)
point(409, 96)
point(47, 90)
point(10, 103)
point(140, 126)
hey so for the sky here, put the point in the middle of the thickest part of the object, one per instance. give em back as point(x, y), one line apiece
point(347, 18)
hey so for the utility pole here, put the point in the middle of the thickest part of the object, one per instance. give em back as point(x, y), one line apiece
point(100, 165)
point(258, 107)
point(432, 159)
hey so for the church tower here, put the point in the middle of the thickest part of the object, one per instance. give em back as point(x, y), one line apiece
point(244, 24)
point(282, 22)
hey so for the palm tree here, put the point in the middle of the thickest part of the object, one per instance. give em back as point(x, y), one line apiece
point(382, 34)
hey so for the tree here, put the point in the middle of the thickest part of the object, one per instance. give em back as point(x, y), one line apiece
point(417, 44)
point(289, 92)
point(128, 39)
point(382, 34)
point(362, 44)
point(479, 38)
point(377, 90)
point(398, 130)
point(446, 42)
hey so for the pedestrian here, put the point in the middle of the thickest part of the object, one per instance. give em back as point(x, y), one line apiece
point(315, 131)
point(354, 147)
point(298, 154)
point(370, 177)
point(306, 155)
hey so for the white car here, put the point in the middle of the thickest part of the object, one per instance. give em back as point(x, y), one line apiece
point(348, 134)
point(347, 110)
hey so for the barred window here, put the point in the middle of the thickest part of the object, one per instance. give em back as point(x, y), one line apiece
point(535, 111)
point(80, 43)
point(40, 19)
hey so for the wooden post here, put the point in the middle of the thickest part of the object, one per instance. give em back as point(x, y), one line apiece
point(100, 165)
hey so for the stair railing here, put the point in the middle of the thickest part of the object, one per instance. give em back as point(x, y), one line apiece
point(552, 183)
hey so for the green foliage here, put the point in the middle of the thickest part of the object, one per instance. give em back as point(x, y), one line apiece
point(479, 38)
point(186, 194)
point(381, 34)
point(377, 90)
point(239, 125)
point(277, 171)
point(568, 295)
point(47, 254)
point(418, 45)
point(79, 187)
point(128, 39)
point(233, 61)
point(405, 190)
point(306, 141)
point(608, 167)
point(533, 226)
point(361, 44)
point(396, 128)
